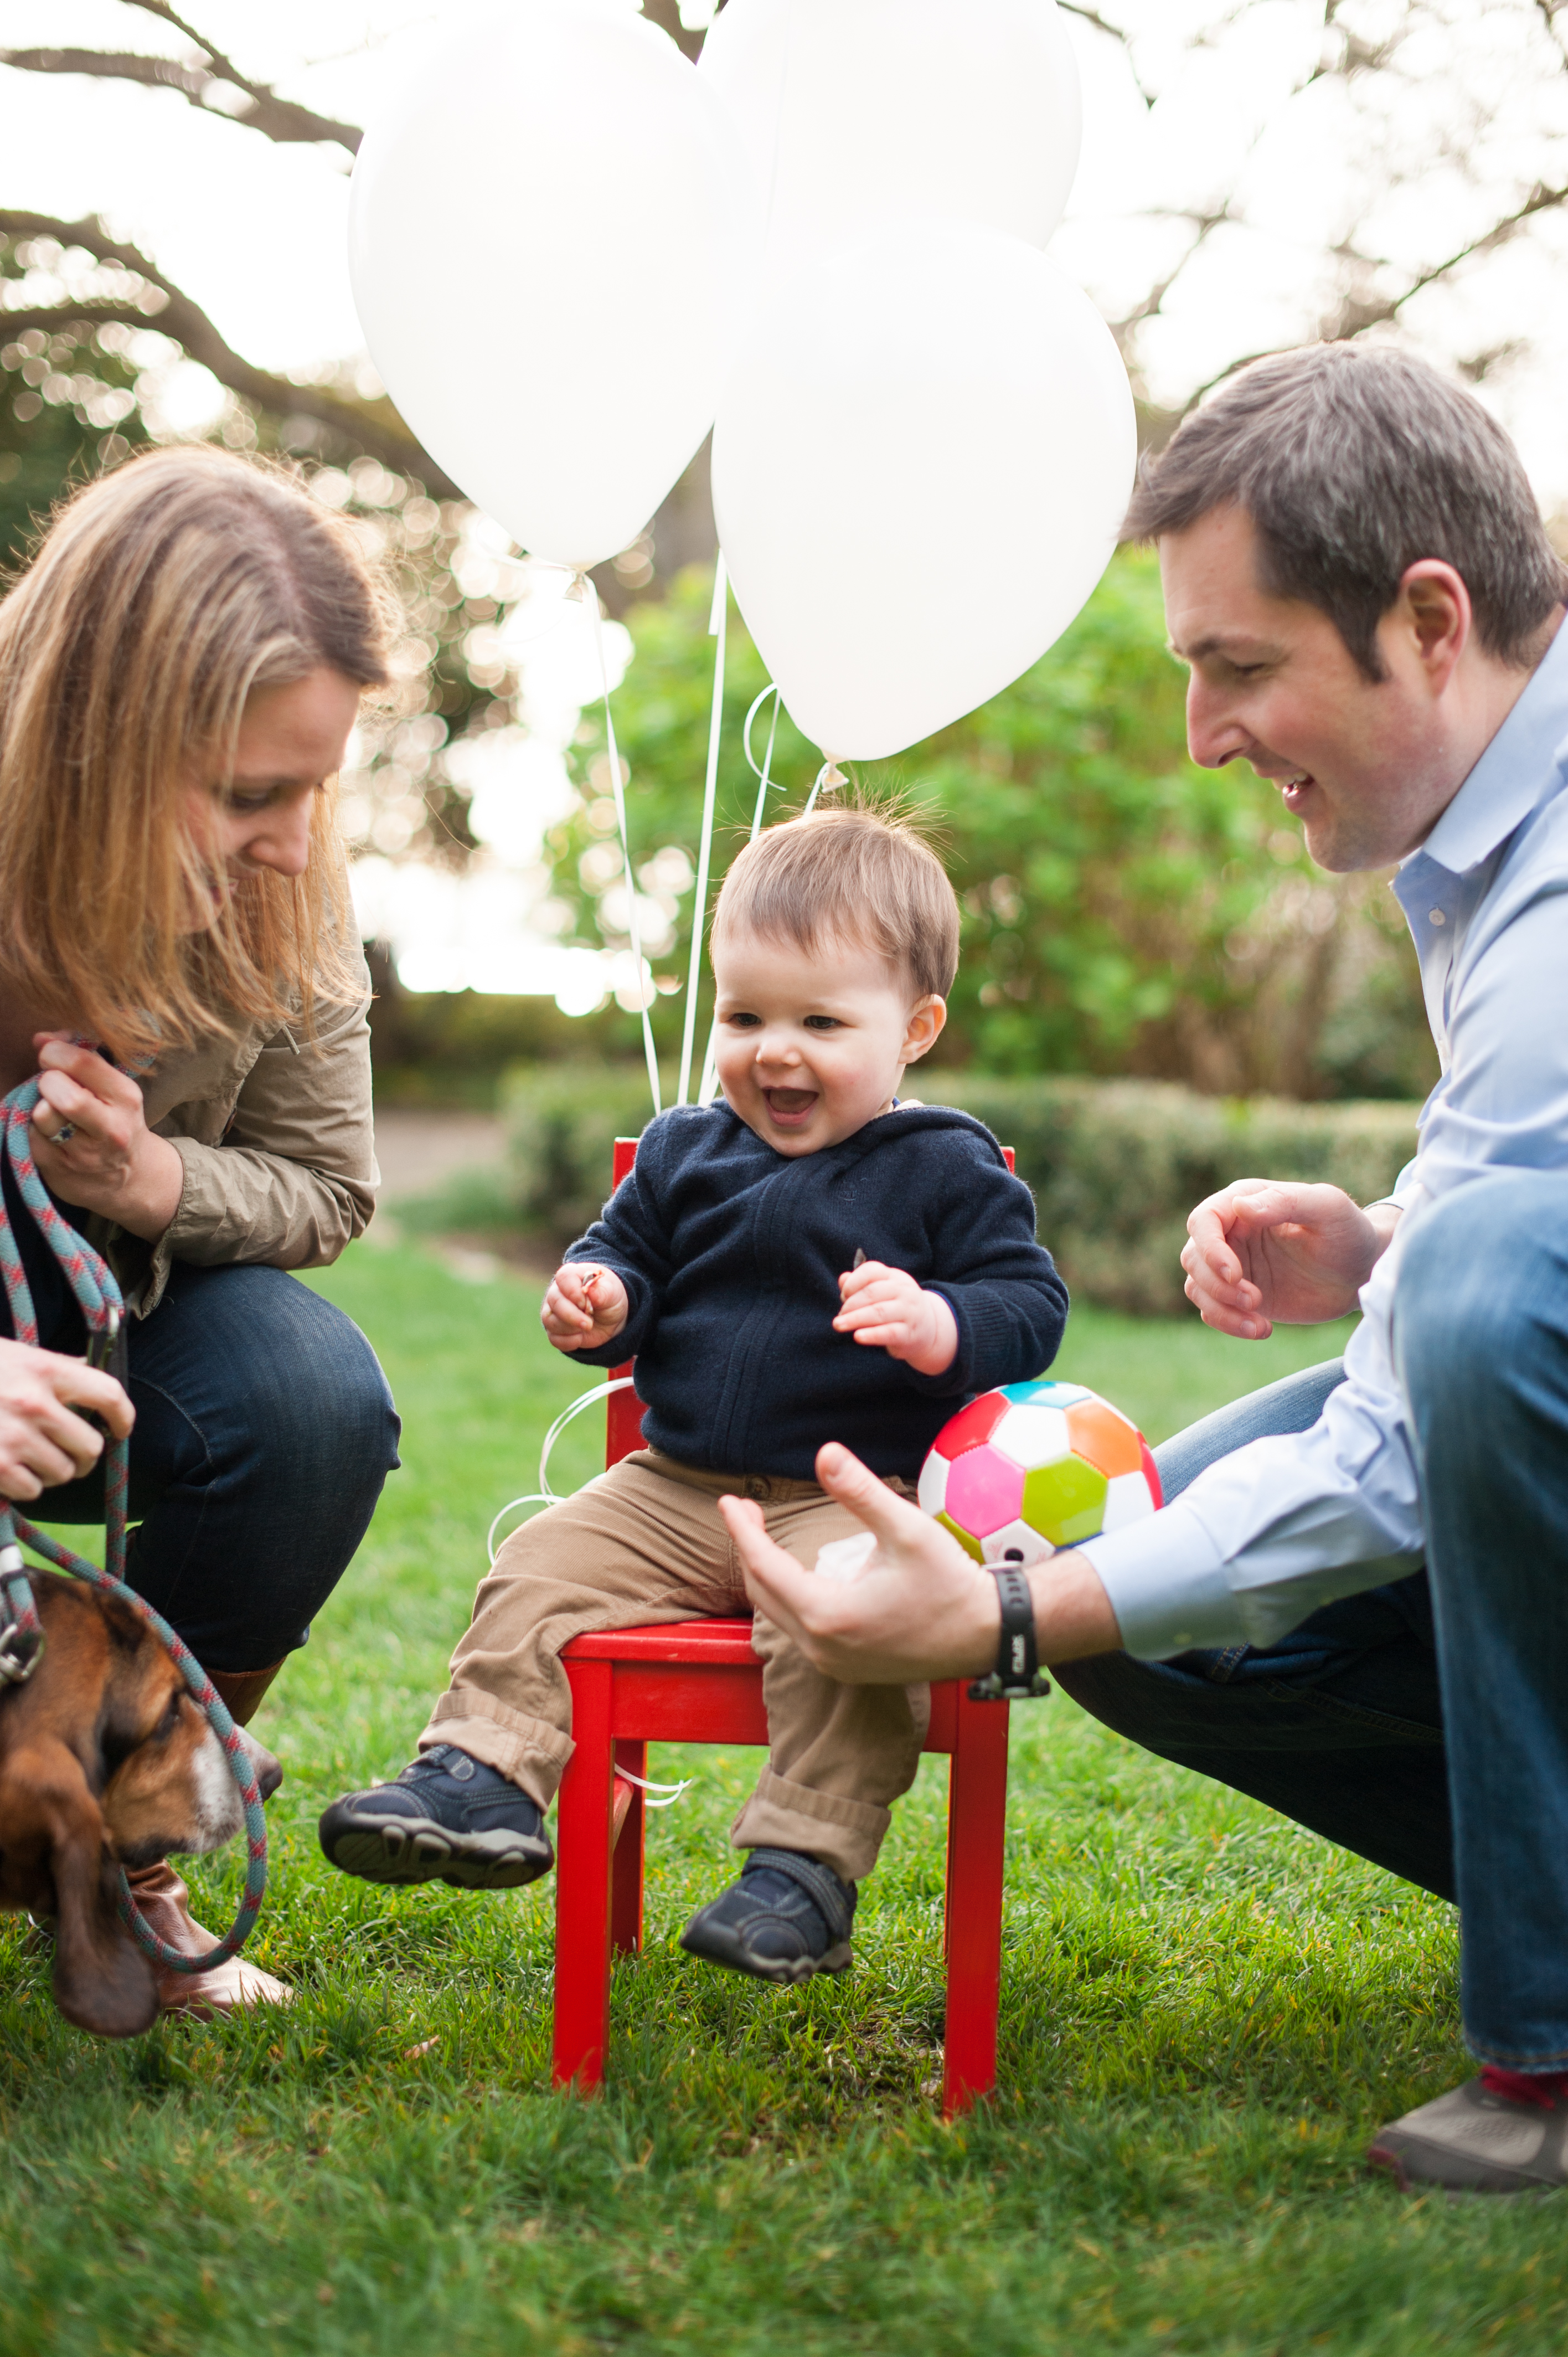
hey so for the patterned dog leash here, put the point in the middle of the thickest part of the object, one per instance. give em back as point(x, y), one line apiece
point(22, 1638)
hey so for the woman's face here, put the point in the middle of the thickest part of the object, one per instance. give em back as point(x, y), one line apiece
point(291, 740)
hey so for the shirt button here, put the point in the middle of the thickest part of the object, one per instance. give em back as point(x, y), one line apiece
point(1437, 917)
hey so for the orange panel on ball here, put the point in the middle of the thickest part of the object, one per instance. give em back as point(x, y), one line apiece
point(1106, 1438)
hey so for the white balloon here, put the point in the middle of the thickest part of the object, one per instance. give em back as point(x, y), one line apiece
point(857, 113)
point(551, 229)
point(921, 459)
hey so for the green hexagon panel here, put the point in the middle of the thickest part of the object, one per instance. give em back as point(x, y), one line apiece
point(970, 1546)
point(1065, 1501)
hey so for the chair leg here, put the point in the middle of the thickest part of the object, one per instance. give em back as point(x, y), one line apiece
point(977, 1811)
point(626, 1884)
point(583, 1866)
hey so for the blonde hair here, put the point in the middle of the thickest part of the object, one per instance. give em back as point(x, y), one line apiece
point(161, 597)
point(848, 875)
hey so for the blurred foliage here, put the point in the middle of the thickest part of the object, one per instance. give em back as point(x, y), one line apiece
point(1115, 1165)
point(80, 399)
point(450, 1047)
point(1123, 911)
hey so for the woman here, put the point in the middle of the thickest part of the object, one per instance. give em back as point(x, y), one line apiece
point(180, 667)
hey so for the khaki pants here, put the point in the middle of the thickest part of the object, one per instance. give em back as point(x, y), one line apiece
point(646, 1543)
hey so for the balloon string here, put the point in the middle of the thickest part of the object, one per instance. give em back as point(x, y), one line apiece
point(764, 774)
point(591, 598)
point(830, 778)
point(709, 1083)
point(717, 620)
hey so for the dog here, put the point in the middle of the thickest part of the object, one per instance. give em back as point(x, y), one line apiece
point(106, 1760)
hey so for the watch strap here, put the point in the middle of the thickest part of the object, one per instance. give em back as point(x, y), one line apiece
point(1017, 1676)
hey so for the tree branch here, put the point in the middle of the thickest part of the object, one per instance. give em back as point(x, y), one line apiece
point(1549, 11)
point(1112, 33)
point(201, 86)
point(1355, 314)
point(375, 427)
point(1204, 225)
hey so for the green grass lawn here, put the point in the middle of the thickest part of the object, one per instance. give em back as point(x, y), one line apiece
point(1205, 2013)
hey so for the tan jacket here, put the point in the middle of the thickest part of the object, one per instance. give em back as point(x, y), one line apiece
point(274, 1133)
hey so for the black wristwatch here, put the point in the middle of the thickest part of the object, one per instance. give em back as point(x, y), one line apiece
point(1017, 1676)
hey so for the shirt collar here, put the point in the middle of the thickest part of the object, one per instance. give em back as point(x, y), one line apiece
point(1512, 774)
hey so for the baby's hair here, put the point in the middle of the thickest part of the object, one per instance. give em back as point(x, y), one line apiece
point(848, 875)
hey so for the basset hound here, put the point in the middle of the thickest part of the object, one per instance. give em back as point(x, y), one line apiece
point(105, 1760)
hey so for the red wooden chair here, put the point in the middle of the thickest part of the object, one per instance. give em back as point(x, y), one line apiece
point(699, 1682)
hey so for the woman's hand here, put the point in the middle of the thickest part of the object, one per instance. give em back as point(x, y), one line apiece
point(885, 1306)
point(111, 1162)
point(586, 1306)
point(41, 1443)
point(1264, 1250)
point(931, 1613)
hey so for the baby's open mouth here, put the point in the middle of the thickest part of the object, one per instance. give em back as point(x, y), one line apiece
point(789, 1104)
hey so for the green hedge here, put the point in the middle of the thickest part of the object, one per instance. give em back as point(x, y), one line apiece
point(1115, 1165)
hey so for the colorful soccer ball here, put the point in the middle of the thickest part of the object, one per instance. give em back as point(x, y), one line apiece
point(1034, 1467)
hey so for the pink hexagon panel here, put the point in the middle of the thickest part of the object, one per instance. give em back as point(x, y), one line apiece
point(984, 1491)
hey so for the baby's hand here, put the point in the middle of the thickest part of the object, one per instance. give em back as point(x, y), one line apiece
point(584, 1308)
point(885, 1306)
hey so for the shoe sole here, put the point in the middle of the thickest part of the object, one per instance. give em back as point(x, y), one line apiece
point(402, 1850)
point(1391, 2162)
point(782, 1972)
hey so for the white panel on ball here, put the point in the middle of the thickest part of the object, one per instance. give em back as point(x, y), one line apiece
point(931, 1493)
point(1032, 1436)
point(1016, 1537)
point(1127, 1499)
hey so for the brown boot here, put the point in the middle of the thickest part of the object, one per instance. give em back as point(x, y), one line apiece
point(163, 1899)
point(241, 1690)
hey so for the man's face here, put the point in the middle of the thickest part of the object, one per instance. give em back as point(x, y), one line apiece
point(1367, 765)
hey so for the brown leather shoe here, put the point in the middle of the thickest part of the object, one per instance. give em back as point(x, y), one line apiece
point(241, 1690)
point(163, 1899)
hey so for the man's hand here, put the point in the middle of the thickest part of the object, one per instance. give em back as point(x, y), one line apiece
point(931, 1613)
point(885, 1306)
point(41, 1443)
point(584, 1308)
point(1264, 1252)
point(112, 1162)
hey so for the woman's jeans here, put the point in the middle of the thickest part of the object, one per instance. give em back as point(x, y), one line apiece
point(1425, 1724)
point(264, 1430)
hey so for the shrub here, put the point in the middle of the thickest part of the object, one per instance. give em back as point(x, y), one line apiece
point(1115, 1165)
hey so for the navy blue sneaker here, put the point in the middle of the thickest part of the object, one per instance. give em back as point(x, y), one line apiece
point(787, 1917)
point(448, 1818)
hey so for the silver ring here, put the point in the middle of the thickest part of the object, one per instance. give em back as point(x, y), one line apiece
point(64, 1133)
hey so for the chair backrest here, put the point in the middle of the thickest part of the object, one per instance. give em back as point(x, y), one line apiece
point(623, 1421)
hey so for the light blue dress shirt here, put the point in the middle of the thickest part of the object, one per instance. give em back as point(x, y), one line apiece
point(1263, 1537)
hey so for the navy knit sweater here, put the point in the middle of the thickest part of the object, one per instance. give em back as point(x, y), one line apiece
point(731, 1256)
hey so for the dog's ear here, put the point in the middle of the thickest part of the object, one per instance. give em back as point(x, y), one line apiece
point(102, 1981)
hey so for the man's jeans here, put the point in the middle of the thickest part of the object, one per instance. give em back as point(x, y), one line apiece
point(1425, 1724)
point(264, 1430)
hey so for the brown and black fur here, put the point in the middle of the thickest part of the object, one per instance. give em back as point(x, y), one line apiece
point(105, 1761)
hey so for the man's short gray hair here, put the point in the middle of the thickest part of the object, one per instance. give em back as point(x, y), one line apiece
point(1353, 462)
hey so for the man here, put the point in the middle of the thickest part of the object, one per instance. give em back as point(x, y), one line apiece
point(1354, 1604)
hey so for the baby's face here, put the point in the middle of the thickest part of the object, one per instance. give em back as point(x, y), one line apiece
point(811, 1045)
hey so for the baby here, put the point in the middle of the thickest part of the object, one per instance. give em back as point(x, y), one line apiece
point(806, 1260)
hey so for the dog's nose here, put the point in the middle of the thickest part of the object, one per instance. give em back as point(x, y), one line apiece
point(268, 1770)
